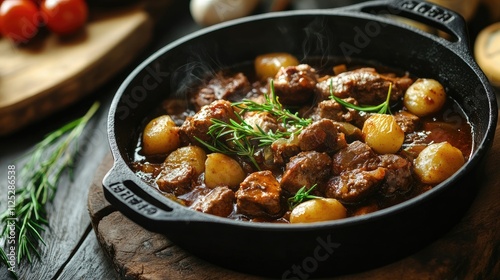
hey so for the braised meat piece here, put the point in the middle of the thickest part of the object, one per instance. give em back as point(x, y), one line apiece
point(306, 169)
point(221, 87)
point(219, 201)
point(352, 133)
point(398, 176)
point(176, 179)
point(356, 155)
point(262, 120)
point(259, 195)
point(331, 109)
point(322, 136)
point(407, 121)
point(199, 124)
point(284, 149)
point(295, 85)
point(365, 85)
point(355, 185)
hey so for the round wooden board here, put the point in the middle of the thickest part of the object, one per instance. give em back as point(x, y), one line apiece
point(51, 72)
point(469, 251)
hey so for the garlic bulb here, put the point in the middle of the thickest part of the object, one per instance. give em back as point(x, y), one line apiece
point(209, 12)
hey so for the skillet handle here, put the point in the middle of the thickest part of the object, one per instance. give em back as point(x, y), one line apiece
point(141, 206)
point(424, 12)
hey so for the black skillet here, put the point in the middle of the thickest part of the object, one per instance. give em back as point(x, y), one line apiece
point(363, 32)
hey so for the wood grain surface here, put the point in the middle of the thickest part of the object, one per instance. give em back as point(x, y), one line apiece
point(469, 251)
point(50, 72)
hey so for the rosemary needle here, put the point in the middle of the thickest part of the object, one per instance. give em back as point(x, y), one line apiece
point(40, 177)
point(301, 195)
point(382, 108)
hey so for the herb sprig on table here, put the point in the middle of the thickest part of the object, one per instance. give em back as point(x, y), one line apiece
point(237, 137)
point(37, 184)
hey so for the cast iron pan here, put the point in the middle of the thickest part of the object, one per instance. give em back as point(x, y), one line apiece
point(361, 32)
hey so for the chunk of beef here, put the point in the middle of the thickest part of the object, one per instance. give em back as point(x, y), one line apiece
point(283, 149)
point(306, 169)
point(365, 85)
point(259, 195)
point(199, 124)
point(221, 87)
point(219, 201)
point(355, 156)
point(176, 179)
point(263, 120)
point(322, 136)
point(331, 109)
point(352, 133)
point(354, 185)
point(407, 121)
point(295, 85)
point(398, 176)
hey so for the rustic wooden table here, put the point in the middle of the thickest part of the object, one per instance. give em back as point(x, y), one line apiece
point(72, 250)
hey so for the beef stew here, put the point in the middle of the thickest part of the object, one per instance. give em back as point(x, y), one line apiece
point(312, 141)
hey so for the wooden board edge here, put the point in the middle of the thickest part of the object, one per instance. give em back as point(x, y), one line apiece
point(18, 115)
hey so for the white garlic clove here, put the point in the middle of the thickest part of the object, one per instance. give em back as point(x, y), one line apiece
point(209, 12)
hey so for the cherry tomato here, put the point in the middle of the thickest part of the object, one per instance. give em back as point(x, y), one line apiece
point(64, 16)
point(19, 20)
point(1, 20)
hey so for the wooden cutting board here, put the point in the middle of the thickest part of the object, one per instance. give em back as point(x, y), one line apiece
point(51, 73)
point(468, 251)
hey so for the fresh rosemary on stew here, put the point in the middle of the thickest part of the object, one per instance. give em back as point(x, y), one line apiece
point(382, 108)
point(239, 137)
point(301, 195)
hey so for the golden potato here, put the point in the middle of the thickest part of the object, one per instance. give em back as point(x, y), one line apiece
point(424, 97)
point(383, 134)
point(437, 162)
point(267, 65)
point(160, 136)
point(222, 170)
point(317, 210)
point(190, 155)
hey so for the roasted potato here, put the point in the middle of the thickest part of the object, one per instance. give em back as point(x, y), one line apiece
point(424, 97)
point(190, 155)
point(267, 65)
point(383, 134)
point(222, 170)
point(160, 136)
point(317, 210)
point(437, 162)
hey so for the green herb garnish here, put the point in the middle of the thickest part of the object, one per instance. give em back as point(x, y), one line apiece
point(240, 138)
point(38, 180)
point(238, 141)
point(274, 107)
point(382, 108)
point(301, 195)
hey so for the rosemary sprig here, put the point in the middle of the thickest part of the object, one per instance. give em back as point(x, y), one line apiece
point(237, 137)
point(40, 177)
point(275, 108)
point(301, 195)
point(238, 142)
point(382, 108)
point(5, 260)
